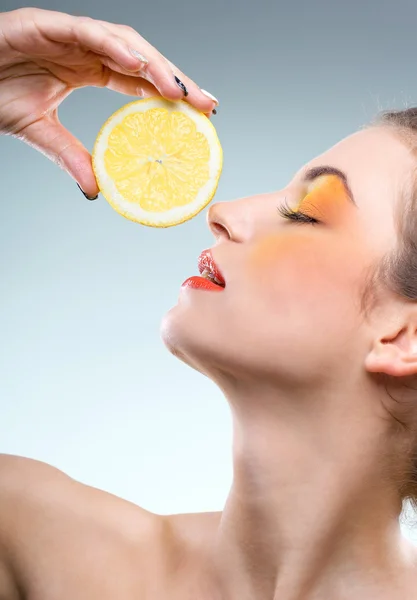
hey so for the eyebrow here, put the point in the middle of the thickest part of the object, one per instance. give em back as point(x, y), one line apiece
point(315, 172)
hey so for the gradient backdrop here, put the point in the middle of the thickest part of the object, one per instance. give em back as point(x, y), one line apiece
point(85, 381)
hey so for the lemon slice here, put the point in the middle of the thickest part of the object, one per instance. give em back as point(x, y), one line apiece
point(158, 162)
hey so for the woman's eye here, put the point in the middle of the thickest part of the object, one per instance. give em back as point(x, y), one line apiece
point(295, 215)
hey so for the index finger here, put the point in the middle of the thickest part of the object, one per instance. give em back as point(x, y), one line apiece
point(161, 72)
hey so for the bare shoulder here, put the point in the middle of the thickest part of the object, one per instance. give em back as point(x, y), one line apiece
point(50, 524)
point(59, 534)
point(26, 480)
point(26, 483)
point(196, 526)
point(13, 467)
point(193, 533)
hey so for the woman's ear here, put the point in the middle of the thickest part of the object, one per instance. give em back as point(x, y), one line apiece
point(396, 353)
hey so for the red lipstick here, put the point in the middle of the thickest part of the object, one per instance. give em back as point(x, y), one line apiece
point(212, 278)
point(201, 283)
point(206, 262)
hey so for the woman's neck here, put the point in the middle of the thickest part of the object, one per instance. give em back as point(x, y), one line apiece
point(311, 514)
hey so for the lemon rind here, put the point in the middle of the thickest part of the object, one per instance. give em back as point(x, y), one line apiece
point(134, 212)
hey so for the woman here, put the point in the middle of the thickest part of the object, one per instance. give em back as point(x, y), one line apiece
point(312, 338)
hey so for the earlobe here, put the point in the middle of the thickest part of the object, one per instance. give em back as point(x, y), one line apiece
point(394, 355)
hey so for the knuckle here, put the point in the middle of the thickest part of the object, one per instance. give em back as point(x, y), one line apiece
point(129, 29)
point(26, 10)
point(84, 21)
point(26, 15)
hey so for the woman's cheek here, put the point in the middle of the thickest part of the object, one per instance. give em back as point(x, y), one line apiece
point(301, 262)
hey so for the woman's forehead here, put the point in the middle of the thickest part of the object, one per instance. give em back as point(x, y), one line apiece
point(378, 167)
point(376, 163)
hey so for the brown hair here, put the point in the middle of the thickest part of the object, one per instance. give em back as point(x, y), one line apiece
point(397, 272)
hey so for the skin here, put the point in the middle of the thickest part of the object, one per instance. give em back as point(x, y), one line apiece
point(46, 55)
point(312, 513)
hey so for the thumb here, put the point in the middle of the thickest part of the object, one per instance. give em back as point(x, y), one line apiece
point(51, 138)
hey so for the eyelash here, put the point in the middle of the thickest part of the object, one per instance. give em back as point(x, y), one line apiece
point(288, 213)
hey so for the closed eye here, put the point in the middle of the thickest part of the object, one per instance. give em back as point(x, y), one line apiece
point(295, 215)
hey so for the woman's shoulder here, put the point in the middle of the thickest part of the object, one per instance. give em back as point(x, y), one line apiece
point(51, 523)
point(29, 486)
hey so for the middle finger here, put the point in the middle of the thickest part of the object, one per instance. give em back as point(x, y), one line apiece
point(161, 72)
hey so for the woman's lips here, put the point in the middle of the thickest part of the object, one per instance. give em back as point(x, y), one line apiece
point(206, 262)
point(214, 280)
point(201, 283)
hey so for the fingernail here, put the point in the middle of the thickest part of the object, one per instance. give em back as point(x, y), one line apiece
point(85, 195)
point(209, 95)
point(139, 56)
point(214, 111)
point(181, 85)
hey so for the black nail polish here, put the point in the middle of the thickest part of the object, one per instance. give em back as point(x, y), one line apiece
point(85, 195)
point(214, 111)
point(181, 85)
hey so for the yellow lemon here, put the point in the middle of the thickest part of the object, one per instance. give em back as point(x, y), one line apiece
point(158, 162)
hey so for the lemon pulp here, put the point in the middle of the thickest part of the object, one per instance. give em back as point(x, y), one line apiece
point(158, 162)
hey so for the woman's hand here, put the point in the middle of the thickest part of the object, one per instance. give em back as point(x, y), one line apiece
point(45, 55)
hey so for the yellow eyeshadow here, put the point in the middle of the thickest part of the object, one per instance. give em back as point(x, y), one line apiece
point(324, 195)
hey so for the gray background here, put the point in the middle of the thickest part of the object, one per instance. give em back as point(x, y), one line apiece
point(85, 381)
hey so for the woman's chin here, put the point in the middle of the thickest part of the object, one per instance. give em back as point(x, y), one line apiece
point(178, 338)
point(178, 332)
point(167, 330)
point(188, 338)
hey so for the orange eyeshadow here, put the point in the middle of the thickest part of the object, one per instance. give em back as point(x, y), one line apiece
point(325, 200)
point(326, 197)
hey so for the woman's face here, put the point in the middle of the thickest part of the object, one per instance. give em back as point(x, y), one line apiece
point(290, 310)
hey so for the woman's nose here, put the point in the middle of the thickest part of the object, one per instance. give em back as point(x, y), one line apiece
point(217, 221)
point(239, 220)
point(231, 220)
